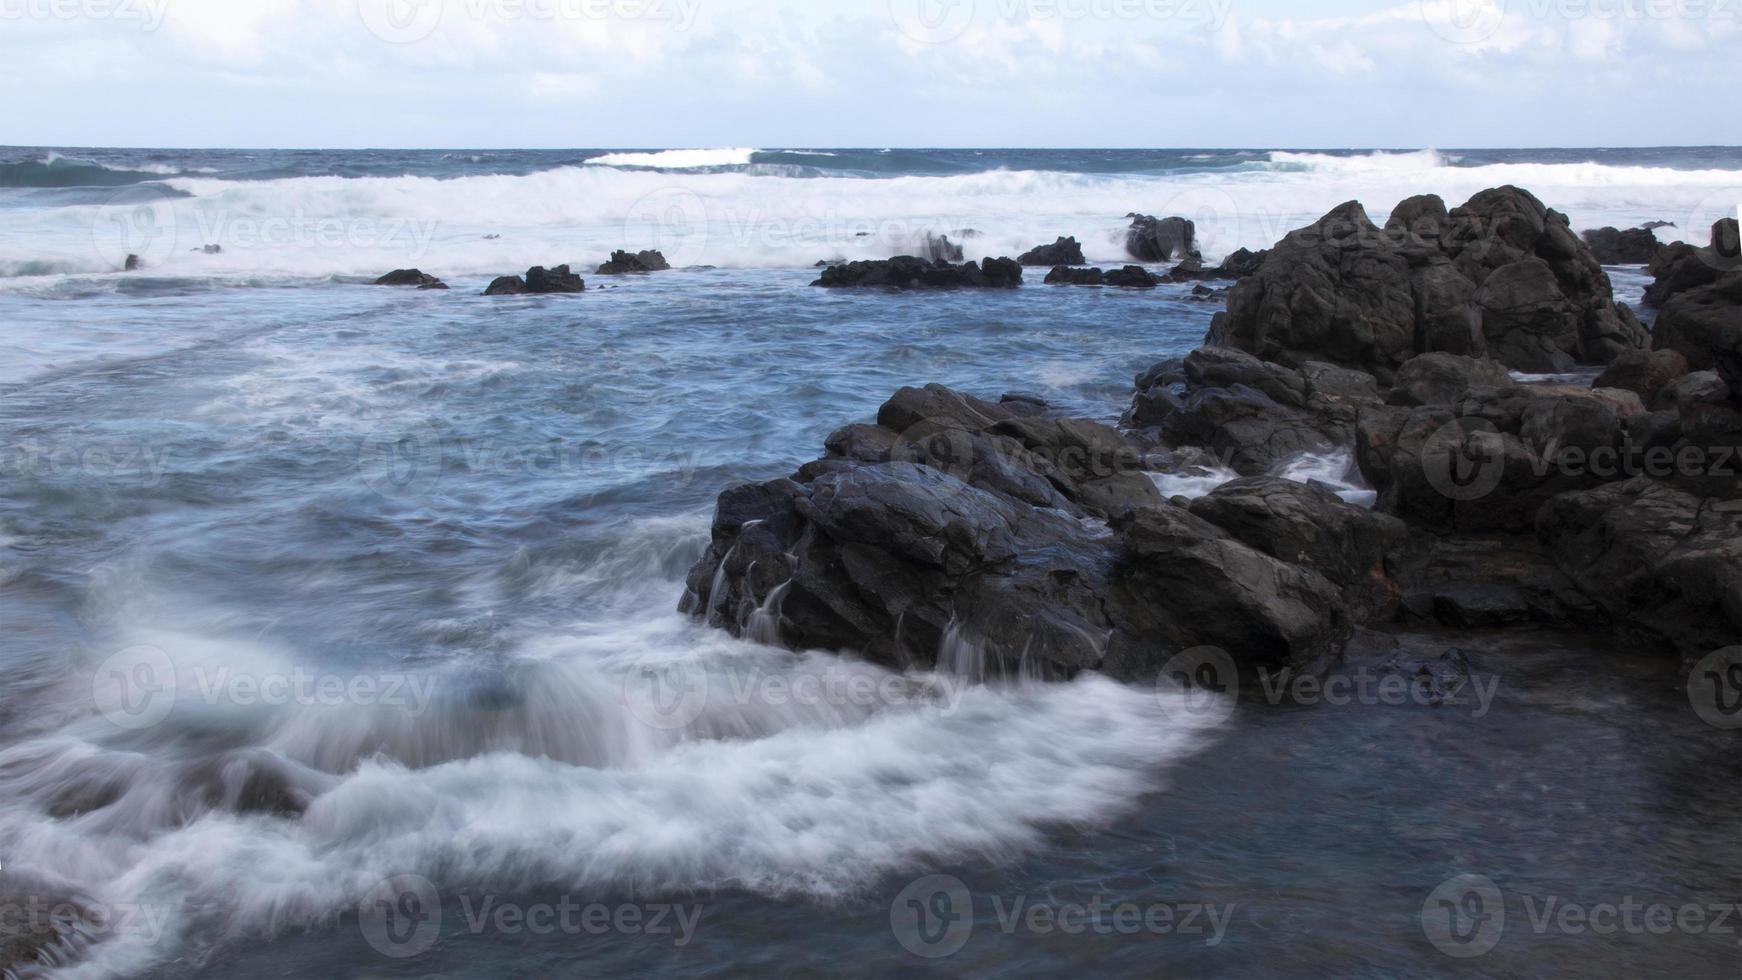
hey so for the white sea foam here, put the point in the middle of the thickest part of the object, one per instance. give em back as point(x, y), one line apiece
point(319, 226)
point(678, 159)
point(809, 776)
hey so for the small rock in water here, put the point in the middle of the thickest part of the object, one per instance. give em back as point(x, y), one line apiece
point(1129, 277)
point(633, 263)
point(411, 277)
point(134, 264)
point(1151, 239)
point(1064, 251)
point(912, 272)
point(538, 279)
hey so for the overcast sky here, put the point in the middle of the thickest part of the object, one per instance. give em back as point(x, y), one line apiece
point(773, 73)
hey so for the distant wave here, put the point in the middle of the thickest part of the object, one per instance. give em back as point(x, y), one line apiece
point(55, 170)
point(1378, 162)
point(679, 159)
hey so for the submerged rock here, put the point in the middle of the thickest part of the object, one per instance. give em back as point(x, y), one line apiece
point(1064, 251)
point(912, 272)
point(411, 277)
point(624, 263)
point(538, 279)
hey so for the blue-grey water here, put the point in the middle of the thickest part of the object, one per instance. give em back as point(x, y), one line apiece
point(232, 481)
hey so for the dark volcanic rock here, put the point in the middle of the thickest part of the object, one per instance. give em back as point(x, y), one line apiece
point(953, 533)
point(1635, 246)
point(1704, 325)
point(411, 277)
point(538, 279)
point(1658, 559)
point(1681, 267)
point(1151, 239)
point(912, 272)
point(1130, 277)
point(1502, 275)
point(1645, 373)
point(1250, 414)
point(1065, 251)
point(1307, 525)
point(1490, 459)
point(1439, 378)
point(624, 263)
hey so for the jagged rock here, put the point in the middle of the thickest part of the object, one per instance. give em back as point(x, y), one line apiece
point(1310, 526)
point(1065, 251)
point(911, 272)
point(954, 530)
point(1489, 460)
point(133, 264)
point(1151, 239)
point(1439, 378)
point(1704, 325)
point(538, 279)
point(1251, 414)
point(1130, 277)
point(1680, 267)
point(1658, 559)
point(1635, 246)
point(624, 263)
point(1502, 275)
point(411, 277)
point(1645, 373)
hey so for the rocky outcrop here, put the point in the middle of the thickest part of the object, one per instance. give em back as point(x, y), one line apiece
point(965, 534)
point(1635, 246)
point(411, 277)
point(1130, 277)
point(1663, 562)
point(1488, 460)
point(1239, 265)
point(1704, 325)
point(1250, 414)
point(1645, 373)
point(624, 263)
point(1064, 251)
point(538, 279)
point(1680, 267)
point(912, 272)
point(1151, 239)
point(1503, 276)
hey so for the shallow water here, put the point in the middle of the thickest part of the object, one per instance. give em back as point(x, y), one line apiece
point(230, 486)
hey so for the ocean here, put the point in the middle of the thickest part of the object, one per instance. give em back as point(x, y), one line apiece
point(317, 594)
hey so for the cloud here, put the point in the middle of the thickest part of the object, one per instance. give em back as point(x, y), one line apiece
point(785, 72)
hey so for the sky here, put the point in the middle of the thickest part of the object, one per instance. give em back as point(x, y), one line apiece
point(820, 73)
